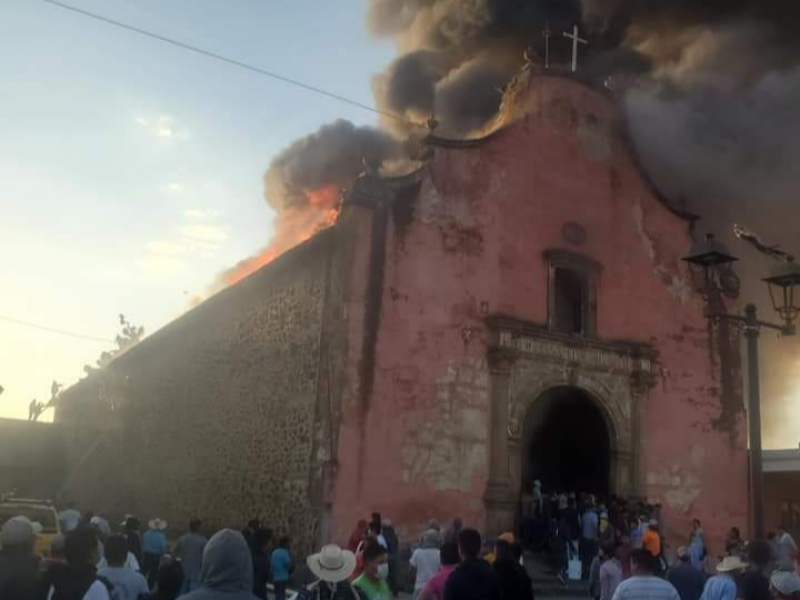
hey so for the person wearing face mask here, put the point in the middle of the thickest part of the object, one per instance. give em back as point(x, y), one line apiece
point(373, 581)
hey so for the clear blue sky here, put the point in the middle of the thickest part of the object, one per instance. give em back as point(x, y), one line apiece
point(130, 170)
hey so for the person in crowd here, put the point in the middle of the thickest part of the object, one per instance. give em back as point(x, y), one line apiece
point(451, 535)
point(393, 543)
point(262, 561)
point(154, 546)
point(78, 579)
point(19, 566)
point(774, 546)
point(189, 550)
point(449, 557)
point(590, 525)
point(130, 527)
point(571, 516)
point(610, 572)
point(697, 546)
point(69, 518)
point(636, 533)
point(687, 579)
point(425, 560)
point(594, 573)
point(127, 583)
point(249, 531)
point(227, 572)
point(376, 530)
point(373, 581)
point(605, 531)
point(787, 549)
point(102, 527)
point(333, 567)
point(734, 544)
point(169, 585)
point(624, 556)
point(515, 584)
point(651, 539)
point(785, 585)
point(281, 567)
point(130, 560)
point(56, 557)
point(645, 584)
point(562, 549)
point(723, 585)
point(754, 583)
point(474, 579)
point(366, 540)
point(356, 536)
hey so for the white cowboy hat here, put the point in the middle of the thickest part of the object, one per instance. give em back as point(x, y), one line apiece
point(332, 564)
point(731, 563)
point(159, 524)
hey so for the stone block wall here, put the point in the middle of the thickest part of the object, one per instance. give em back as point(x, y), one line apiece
point(213, 416)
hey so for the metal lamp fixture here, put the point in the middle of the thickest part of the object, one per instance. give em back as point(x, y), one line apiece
point(782, 283)
point(711, 267)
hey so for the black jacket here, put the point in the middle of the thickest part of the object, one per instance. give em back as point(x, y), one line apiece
point(19, 576)
point(474, 579)
point(514, 581)
point(688, 580)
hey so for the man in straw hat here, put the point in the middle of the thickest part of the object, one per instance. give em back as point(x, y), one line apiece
point(723, 585)
point(154, 546)
point(333, 567)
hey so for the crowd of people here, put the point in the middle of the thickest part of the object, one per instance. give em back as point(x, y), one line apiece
point(617, 547)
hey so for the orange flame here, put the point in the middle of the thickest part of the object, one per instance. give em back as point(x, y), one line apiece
point(293, 226)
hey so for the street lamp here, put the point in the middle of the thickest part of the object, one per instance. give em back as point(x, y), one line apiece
point(711, 267)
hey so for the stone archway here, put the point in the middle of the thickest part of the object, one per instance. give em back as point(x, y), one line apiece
point(526, 364)
point(568, 443)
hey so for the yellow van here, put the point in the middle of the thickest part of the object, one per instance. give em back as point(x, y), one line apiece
point(41, 511)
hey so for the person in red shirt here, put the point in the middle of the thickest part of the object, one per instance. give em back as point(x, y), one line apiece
point(434, 589)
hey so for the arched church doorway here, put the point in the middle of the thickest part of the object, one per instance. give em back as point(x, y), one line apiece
point(567, 443)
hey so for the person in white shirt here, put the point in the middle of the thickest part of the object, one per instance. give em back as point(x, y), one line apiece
point(79, 578)
point(645, 585)
point(426, 560)
point(128, 583)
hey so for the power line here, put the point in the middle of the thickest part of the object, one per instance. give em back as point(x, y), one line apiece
point(225, 59)
point(71, 334)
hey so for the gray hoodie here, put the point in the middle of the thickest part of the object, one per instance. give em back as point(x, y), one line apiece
point(227, 572)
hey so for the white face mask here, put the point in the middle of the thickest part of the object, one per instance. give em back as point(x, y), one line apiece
point(383, 571)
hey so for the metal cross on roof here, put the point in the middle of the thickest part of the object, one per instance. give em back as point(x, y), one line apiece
point(576, 39)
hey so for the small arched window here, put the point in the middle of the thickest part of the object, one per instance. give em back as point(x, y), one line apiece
point(572, 295)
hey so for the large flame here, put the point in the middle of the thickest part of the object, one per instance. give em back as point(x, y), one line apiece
point(293, 226)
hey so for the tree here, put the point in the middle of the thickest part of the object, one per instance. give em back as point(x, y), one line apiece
point(125, 340)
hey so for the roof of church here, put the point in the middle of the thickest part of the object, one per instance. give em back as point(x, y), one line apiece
point(508, 116)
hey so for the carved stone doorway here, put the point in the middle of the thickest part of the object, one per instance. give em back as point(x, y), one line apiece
point(567, 443)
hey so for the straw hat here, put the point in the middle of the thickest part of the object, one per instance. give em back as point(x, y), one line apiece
point(731, 563)
point(332, 564)
point(156, 523)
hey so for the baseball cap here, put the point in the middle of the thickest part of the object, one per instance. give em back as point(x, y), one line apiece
point(18, 530)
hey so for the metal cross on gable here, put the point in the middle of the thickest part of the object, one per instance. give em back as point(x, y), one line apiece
point(546, 34)
point(576, 39)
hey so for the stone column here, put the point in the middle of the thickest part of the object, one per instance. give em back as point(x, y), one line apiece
point(500, 499)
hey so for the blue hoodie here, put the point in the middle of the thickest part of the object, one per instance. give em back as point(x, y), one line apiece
point(227, 572)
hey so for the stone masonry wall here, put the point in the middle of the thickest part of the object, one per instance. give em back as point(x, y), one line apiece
point(214, 415)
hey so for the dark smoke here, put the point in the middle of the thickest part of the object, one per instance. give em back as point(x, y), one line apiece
point(334, 154)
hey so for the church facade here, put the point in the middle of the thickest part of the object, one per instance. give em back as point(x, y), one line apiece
point(516, 309)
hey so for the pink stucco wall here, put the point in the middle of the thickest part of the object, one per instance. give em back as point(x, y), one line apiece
point(418, 445)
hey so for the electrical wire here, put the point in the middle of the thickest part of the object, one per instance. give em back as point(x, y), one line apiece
point(230, 61)
point(63, 332)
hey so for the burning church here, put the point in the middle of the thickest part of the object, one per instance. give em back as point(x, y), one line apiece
point(429, 339)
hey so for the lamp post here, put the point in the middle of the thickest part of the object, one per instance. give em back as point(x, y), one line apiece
point(711, 267)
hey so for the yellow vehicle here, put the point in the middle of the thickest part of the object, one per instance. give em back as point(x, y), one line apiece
point(41, 511)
